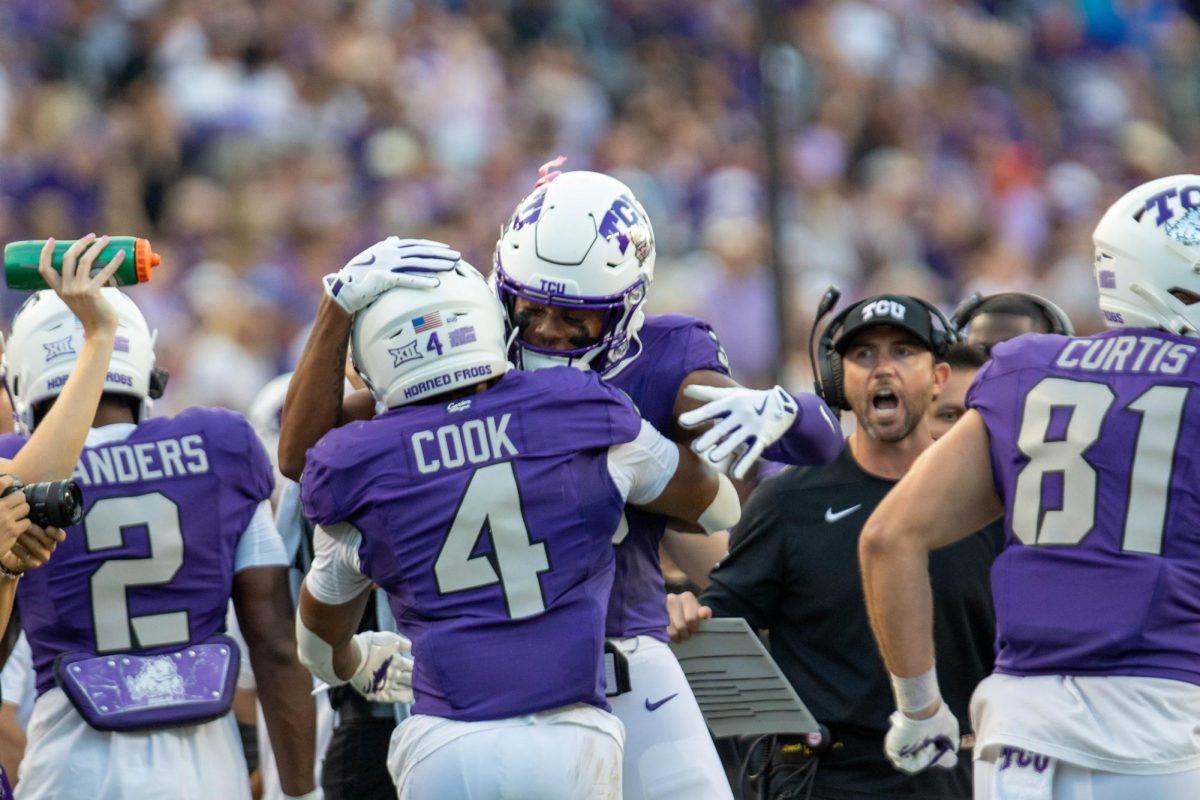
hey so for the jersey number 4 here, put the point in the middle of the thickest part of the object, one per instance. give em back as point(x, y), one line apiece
point(104, 529)
point(492, 502)
point(1089, 404)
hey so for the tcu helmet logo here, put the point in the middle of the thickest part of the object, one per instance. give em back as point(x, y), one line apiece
point(529, 212)
point(1183, 228)
point(623, 223)
point(884, 308)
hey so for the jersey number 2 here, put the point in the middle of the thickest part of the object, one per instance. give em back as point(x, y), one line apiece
point(493, 501)
point(104, 528)
point(1161, 412)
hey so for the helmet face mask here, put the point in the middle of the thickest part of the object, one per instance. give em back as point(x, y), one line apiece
point(1147, 252)
point(45, 344)
point(413, 344)
point(579, 241)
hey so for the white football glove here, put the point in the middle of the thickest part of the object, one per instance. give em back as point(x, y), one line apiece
point(747, 422)
point(392, 263)
point(914, 744)
point(384, 674)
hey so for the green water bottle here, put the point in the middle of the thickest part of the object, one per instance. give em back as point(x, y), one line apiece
point(21, 261)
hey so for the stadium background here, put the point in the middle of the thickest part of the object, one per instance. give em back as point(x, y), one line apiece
point(927, 146)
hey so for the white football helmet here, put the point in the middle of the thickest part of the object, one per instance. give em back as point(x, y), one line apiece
point(1147, 245)
point(411, 344)
point(45, 344)
point(580, 240)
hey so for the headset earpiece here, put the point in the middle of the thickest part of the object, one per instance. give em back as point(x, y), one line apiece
point(826, 363)
point(158, 382)
point(947, 336)
point(974, 305)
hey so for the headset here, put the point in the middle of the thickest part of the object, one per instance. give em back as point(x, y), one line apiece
point(977, 303)
point(827, 363)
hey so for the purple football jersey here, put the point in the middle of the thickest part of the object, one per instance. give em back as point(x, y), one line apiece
point(1090, 448)
point(673, 346)
point(489, 521)
point(150, 568)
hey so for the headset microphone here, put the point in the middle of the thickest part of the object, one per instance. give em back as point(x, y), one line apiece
point(828, 301)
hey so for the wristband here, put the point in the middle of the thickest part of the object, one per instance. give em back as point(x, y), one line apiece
point(724, 510)
point(8, 574)
point(916, 694)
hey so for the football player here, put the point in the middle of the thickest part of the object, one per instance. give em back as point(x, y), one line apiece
point(484, 501)
point(1081, 444)
point(134, 676)
point(572, 266)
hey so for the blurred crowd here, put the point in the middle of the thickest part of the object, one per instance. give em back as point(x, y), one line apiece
point(928, 146)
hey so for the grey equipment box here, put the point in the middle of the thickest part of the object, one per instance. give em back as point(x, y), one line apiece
point(740, 689)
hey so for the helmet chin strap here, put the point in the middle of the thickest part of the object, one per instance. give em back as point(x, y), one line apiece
point(531, 360)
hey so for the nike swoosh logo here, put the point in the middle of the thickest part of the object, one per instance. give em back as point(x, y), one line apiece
point(834, 516)
point(366, 263)
point(763, 407)
point(653, 706)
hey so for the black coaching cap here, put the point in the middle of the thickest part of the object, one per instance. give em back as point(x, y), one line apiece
point(898, 310)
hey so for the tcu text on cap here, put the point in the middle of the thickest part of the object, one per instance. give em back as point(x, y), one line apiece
point(883, 308)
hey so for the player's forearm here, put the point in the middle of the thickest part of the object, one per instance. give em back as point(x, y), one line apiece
point(291, 717)
point(284, 690)
point(52, 452)
point(313, 404)
point(696, 555)
point(895, 572)
point(814, 438)
point(263, 601)
point(8, 599)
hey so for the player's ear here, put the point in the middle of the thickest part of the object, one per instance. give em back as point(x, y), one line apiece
point(941, 374)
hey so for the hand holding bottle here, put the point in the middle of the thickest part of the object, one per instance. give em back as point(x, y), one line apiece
point(80, 289)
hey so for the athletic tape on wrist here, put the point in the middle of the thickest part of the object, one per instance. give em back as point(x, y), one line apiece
point(918, 693)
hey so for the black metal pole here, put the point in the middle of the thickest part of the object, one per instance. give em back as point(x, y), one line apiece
point(771, 65)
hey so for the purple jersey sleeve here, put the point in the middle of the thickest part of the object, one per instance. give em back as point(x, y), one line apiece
point(10, 444)
point(814, 438)
point(1089, 450)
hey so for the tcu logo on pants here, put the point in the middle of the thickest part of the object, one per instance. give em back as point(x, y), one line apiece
point(884, 308)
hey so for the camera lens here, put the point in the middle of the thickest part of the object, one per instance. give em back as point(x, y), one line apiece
point(70, 504)
point(55, 503)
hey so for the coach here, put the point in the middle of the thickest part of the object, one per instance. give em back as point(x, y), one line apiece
point(793, 569)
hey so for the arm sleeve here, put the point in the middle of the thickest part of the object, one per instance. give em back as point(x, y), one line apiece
point(641, 469)
point(748, 582)
point(260, 545)
point(814, 438)
point(335, 577)
point(289, 519)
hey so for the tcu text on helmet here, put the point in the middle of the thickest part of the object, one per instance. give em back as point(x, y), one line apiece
point(1186, 198)
point(883, 308)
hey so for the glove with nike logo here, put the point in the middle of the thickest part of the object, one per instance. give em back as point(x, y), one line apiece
point(747, 421)
point(386, 265)
point(384, 674)
point(914, 744)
